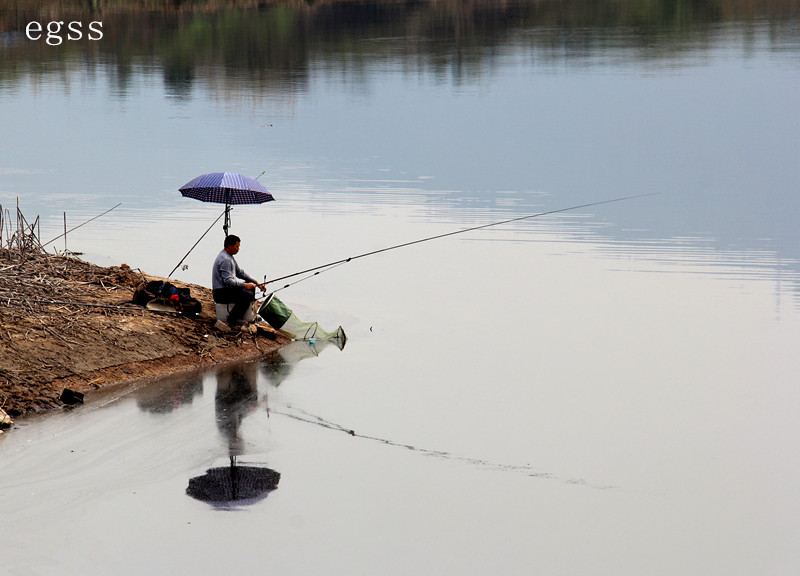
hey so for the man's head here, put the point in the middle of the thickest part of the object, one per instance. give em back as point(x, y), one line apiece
point(232, 242)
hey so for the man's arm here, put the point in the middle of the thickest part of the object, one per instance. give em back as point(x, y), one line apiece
point(245, 276)
point(249, 282)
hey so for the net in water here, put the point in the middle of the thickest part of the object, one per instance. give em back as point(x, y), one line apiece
point(281, 317)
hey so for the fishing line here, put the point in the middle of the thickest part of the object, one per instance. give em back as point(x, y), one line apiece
point(268, 169)
point(526, 469)
point(330, 265)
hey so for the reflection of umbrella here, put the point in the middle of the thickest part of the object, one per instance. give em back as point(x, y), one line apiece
point(226, 188)
point(233, 483)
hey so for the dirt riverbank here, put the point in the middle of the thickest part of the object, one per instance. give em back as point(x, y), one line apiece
point(68, 324)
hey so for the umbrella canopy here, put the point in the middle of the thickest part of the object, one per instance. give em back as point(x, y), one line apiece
point(226, 188)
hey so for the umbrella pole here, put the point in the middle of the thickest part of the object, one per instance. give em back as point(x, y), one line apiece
point(227, 212)
point(227, 223)
point(234, 479)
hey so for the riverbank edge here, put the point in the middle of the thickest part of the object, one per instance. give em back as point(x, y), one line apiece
point(135, 374)
point(79, 331)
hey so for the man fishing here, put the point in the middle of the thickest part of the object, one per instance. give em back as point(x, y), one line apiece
point(231, 284)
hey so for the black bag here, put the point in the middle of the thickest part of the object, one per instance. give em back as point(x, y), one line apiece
point(180, 298)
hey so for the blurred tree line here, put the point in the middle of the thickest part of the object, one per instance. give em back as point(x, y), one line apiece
point(272, 41)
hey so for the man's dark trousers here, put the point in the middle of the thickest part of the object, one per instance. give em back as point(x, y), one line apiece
point(240, 296)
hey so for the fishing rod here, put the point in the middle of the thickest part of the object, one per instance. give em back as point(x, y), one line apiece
point(321, 268)
point(82, 224)
point(196, 243)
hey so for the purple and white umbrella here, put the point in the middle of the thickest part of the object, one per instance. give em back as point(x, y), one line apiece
point(226, 188)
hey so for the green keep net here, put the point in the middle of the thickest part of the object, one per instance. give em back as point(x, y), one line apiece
point(280, 317)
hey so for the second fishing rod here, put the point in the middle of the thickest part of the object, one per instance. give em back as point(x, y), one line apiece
point(316, 270)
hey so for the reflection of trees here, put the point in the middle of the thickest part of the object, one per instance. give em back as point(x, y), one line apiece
point(268, 46)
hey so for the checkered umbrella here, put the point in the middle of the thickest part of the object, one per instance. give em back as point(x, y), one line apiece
point(226, 188)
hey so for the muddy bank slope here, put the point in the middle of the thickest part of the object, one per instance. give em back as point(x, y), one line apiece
point(65, 323)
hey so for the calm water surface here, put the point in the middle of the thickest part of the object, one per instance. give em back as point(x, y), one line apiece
point(611, 390)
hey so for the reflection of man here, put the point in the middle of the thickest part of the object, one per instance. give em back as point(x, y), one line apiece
point(236, 397)
point(231, 284)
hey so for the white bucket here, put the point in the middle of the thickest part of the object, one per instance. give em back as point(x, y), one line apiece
point(224, 310)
